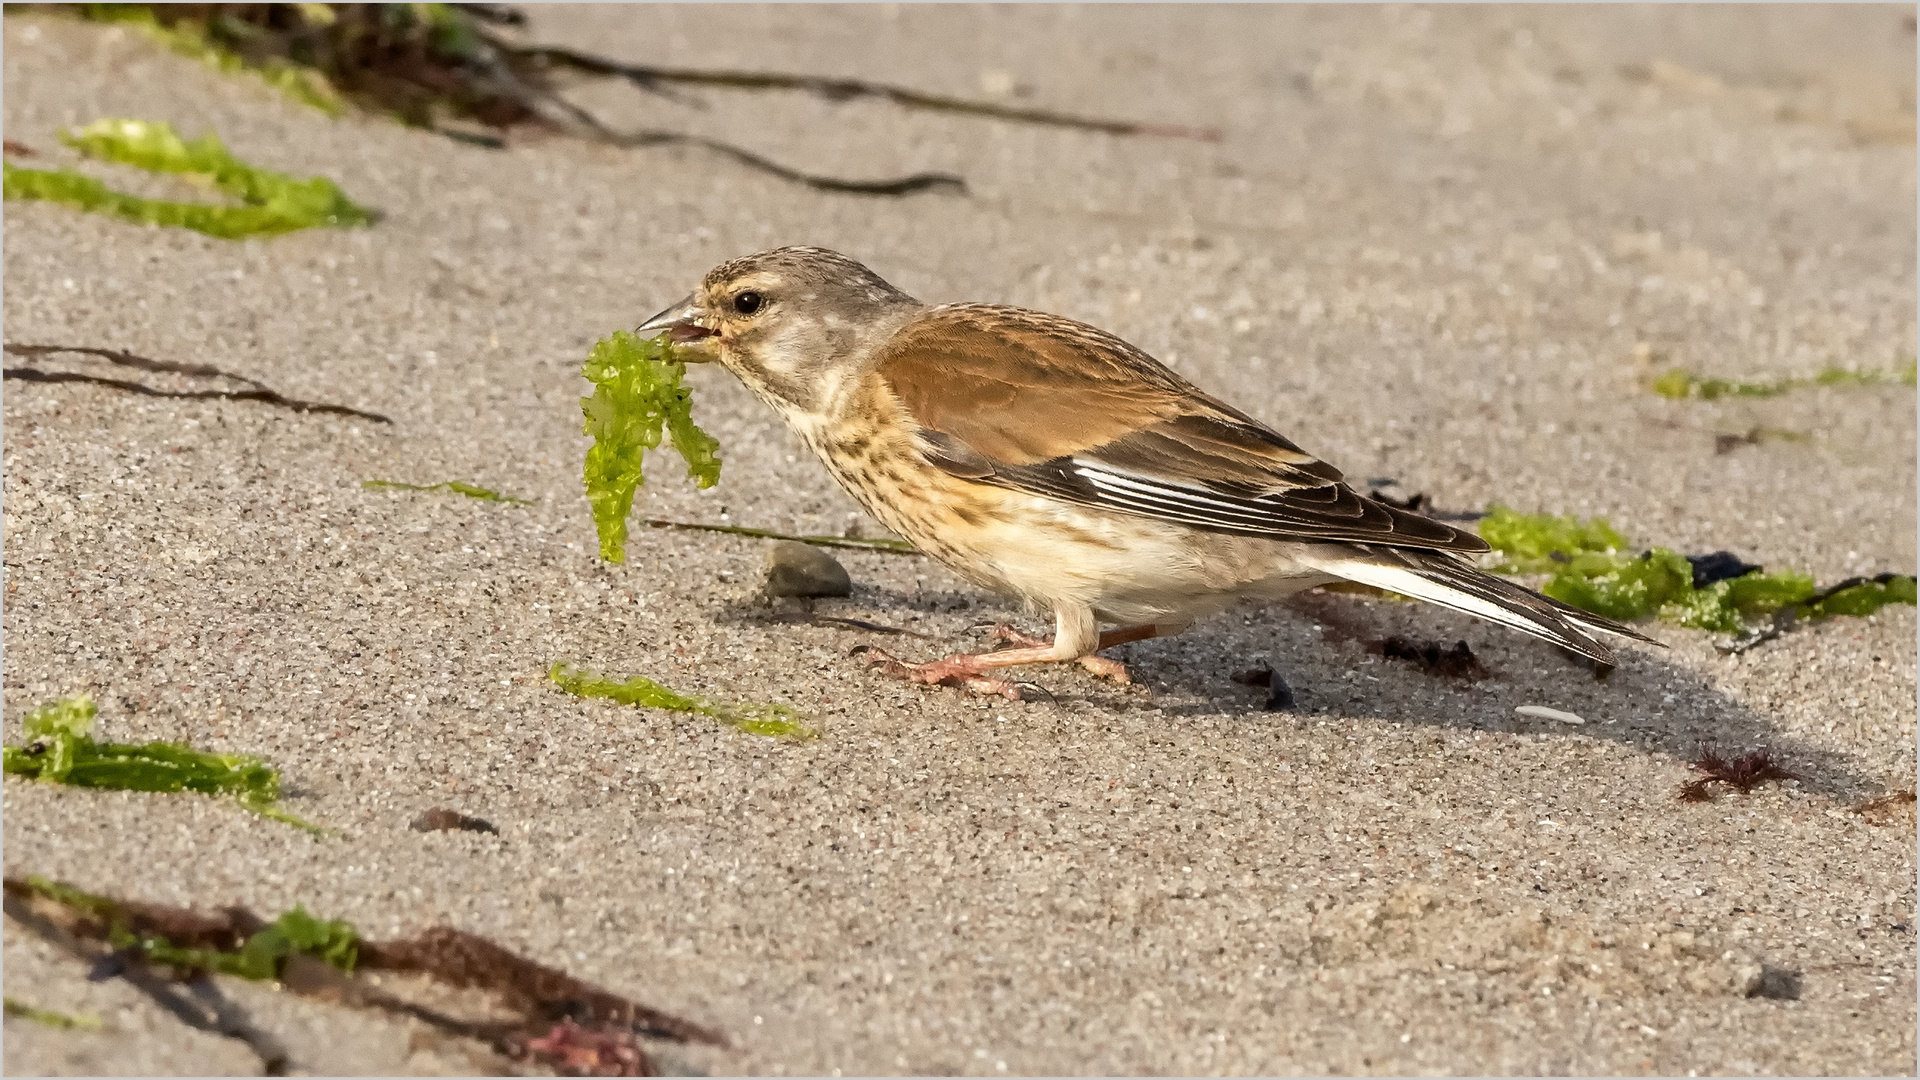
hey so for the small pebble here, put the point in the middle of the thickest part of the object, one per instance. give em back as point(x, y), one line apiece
point(796, 569)
point(1545, 713)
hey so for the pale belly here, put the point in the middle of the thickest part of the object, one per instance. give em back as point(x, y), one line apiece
point(1128, 569)
point(1051, 554)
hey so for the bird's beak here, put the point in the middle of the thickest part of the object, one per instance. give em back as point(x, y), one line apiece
point(681, 323)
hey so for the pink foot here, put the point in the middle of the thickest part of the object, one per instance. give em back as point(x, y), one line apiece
point(961, 671)
point(1104, 668)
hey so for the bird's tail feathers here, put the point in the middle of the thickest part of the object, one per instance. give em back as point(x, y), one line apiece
point(1444, 580)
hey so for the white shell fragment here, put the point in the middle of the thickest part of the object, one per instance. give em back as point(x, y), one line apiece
point(1545, 713)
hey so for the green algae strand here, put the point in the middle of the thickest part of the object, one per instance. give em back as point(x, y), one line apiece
point(60, 749)
point(471, 491)
point(773, 721)
point(271, 203)
point(50, 1017)
point(638, 399)
point(1679, 383)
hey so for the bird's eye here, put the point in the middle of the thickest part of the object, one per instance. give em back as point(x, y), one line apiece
point(748, 302)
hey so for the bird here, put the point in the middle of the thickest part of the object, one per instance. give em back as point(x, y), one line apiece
point(1048, 460)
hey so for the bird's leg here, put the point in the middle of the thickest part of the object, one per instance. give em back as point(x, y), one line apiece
point(1098, 665)
point(968, 670)
point(1076, 637)
point(1114, 669)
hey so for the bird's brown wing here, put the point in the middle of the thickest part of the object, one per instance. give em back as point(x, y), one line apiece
point(1047, 405)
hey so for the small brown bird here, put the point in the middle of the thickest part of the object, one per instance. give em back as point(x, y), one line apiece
point(1051, 461)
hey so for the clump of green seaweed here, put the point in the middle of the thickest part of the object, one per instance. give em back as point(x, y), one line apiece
point(272, 203)
point(261, 957)
point(1660, 582)
point(1680, 383)
point(1532, 543)
point(212, 42)
point(471, 491)
point(50, 1017)
point(1592, 570)
point(60, 749)
point(776, 721)
point(140, 928)
point(415, 62)
point(638, 397)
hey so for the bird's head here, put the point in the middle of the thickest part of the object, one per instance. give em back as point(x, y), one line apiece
point(792, 323)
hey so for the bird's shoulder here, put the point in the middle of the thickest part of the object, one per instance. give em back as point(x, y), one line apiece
point(1024, 386)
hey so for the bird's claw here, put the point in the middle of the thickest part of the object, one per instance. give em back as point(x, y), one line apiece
point(1104, 668)
point(953, 671)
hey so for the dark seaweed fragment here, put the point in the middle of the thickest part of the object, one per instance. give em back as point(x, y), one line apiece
point(1742, 772)
point(1455, 661)
point(1279, 694)
point(441, 819)
point(1719, 566)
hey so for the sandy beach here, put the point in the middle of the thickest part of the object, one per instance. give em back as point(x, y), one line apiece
point(1445, 247)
